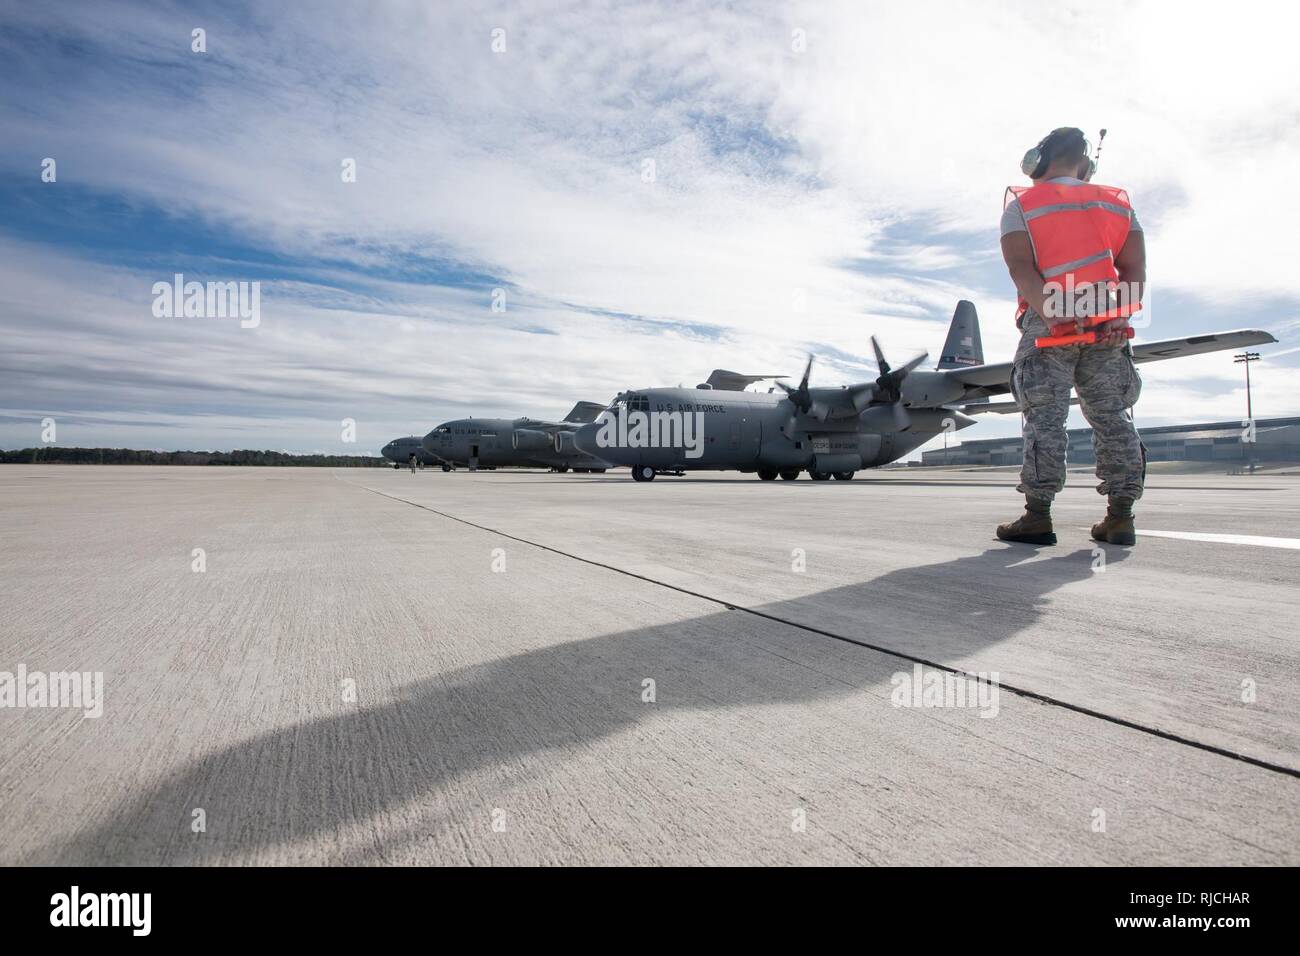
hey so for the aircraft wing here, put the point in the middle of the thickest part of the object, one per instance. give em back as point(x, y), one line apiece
point(986, 376)
point(995, 408)
point(734, 381)
point(584, 413)
point(1196, 344)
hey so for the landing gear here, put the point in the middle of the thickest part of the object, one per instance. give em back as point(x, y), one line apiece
point(819, 475)
point(446, 467)
point(767, 474)
point(643, 473)
point(397, 466)
point(843, 476)
point(790, 475)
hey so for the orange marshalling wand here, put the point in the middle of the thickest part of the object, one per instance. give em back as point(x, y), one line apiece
point(1076, 338)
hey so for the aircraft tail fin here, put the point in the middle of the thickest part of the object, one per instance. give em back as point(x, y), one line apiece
point(584, 413)
point(963, 347)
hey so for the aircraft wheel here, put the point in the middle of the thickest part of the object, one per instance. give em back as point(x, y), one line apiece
point(446, 467)
point(819, 475)
point(790, 475)
point(766, 474)
point(843, 476)
point(397, 466)
point(643, 473)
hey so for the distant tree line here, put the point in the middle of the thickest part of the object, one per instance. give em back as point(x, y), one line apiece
point(52, 454)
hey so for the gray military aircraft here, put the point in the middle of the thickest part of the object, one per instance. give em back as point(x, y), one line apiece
point(520, 442)
point(829, 432)
point(400, 451)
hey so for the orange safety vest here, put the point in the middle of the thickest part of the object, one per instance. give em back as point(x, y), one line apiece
point(1077, 231)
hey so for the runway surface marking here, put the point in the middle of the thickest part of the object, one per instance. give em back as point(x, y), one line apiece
point(1019, 691)
point(1292, 544)
point(1259, 541)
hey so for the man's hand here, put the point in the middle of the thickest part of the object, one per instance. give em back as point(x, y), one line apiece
point(1110, 334)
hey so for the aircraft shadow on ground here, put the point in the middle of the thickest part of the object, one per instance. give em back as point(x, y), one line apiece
point(309, 780)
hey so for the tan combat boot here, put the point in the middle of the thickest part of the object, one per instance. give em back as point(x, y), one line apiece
point(1117, 526)
point(1033, 527)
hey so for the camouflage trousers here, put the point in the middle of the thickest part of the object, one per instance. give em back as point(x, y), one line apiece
point(1108, 386)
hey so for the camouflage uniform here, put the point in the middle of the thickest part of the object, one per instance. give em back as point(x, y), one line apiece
point(1108, 385)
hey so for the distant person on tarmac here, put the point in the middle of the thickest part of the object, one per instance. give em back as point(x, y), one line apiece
point(412, 463)
point(1076, 254)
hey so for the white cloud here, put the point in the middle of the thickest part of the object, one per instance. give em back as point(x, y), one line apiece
point(778, 174)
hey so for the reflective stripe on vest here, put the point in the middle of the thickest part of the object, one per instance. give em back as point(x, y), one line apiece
point(1076, 231)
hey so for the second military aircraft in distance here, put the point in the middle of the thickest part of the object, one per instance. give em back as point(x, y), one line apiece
point(519, 442)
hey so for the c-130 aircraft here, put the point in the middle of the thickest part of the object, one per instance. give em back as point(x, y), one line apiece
point(829, 432)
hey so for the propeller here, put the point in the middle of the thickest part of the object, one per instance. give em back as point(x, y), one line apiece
point(802, 400)
point(889, 386)
point(800, 396)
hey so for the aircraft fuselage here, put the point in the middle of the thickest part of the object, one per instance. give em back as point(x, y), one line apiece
point(673, 429)
point(505, 442)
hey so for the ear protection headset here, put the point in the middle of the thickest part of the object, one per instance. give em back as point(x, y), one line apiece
point(1036, 161)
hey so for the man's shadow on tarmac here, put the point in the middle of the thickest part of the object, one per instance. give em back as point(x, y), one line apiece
point(318, 777)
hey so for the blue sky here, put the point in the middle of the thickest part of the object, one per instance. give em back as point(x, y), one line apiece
point(657, 190)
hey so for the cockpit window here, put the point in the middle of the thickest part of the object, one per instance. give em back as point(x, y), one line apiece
point(630, 401)
point(442, 430)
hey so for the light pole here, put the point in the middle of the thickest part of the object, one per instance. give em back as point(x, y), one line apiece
point(1245, 358)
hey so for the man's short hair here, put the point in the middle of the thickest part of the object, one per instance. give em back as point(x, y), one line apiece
point(1067, 142)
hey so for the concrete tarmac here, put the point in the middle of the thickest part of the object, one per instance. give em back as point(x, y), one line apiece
point(366, 666)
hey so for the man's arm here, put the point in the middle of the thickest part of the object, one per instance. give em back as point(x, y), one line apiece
point(1018, 253)
point(1131, 264)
